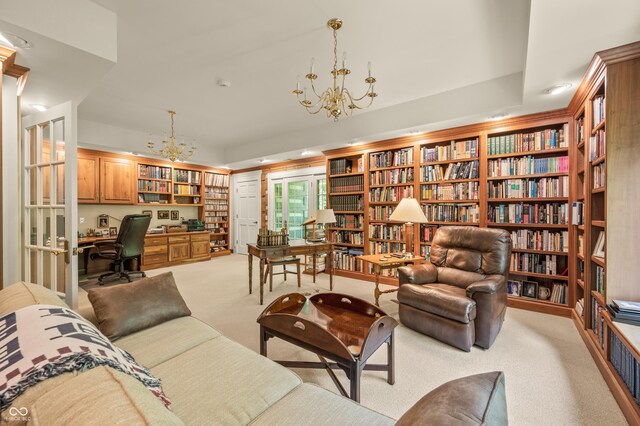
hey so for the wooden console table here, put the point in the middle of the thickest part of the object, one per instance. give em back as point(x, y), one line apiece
point(390, 263)
point(264, 253)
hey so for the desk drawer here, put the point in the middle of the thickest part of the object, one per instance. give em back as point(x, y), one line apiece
point(154, 259)
point(155, 249)
point(200, 237)
point(155, 241)
point(179, 239)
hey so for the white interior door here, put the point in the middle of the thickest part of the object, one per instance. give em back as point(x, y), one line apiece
point(247, 214)
point(49, 188)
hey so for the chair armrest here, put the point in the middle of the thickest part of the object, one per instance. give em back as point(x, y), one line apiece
point(423, 273)
point(491, 284)
point(472, 400)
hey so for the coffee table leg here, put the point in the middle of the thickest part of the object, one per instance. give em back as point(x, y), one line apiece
point(330, 266)
point(376, 291)
point(354, 379)
point(391, 376)
point(263, 341)
point(250, 273)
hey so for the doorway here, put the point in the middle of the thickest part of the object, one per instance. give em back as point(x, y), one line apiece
point(246, 210)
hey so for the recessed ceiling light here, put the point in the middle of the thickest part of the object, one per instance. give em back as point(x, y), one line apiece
point(12, 40)
point(413, 132)
point(39, 107)
point(499, 116)
point(264, 160)
point(354, 143)
point(557, 89)
point(306, 152)
point(223, 83)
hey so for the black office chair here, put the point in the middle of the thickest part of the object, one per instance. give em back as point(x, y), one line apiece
point(128, 245)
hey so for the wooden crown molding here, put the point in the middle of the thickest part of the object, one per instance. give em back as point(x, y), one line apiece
point(309, 161)
point(9, 67)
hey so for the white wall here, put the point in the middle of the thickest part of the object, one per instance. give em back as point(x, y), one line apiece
point(90, 213)
point(11, 232)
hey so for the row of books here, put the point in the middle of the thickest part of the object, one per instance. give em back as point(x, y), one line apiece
point(544, 240)
point(626, 365)
point(599, 280)
point(216, 193)
point(216, 205)
point(381, 247)
point(154, 172)
point(386, 232)
point(349, 237)
point(427, 233)
point(528, 165)
point(580, 129)
point(390, 194)
point(599, 105)
point(577, 213)
point(597, 145)
point(549, 213)
point(467, 213)
point(345, 259)
point(535, 263)
point(341, 166)
point(347, 183)
point(216, 179)
point(450, 191)
point(214, 227)
point(187, 176)
point(154, 186)
point(525, 142)
point(425, 251)
point(154, 198)
point(401, 157)
point(186, 189)
point(355, 221)
point(380, 212)
point(599, 176)
point(393, 176)
point(530, 188)
point(454, 151)
point(597, 321)
point(346, 202)
point(462, 170)
point(216, 217)
point(393, 272)
point(624, 311)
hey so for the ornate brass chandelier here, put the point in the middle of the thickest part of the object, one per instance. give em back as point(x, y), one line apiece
point(337, 99)
point(169, 148)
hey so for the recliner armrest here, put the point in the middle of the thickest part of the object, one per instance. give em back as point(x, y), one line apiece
point(423, 273)
point(491, 284)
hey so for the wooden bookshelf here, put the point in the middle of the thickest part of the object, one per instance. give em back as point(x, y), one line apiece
point(187, 187)
point(154, 184)
point(215, 212)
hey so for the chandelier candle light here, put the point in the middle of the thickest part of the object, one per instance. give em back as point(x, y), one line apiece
point(337, 99)
point(169, 148)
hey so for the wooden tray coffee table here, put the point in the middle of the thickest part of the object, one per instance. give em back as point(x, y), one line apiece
point(334, 326)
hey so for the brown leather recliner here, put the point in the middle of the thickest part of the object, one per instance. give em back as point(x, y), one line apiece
point(460, 297)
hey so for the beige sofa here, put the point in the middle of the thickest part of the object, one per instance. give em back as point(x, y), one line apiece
point(213, 380)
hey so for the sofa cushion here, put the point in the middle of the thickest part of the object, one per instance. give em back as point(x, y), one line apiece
point(23, 294)
point(125, 309)
point(308, 404)
point(472, 400)
point(101, 396)
point(444, 300)
point(223, 382)
point(158, 344)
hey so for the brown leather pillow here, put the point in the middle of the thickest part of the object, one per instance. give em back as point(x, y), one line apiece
point(124, 309)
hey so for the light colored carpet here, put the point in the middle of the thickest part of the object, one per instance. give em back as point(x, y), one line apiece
point(551, 378)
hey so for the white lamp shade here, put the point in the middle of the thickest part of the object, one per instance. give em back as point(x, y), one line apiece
point(408, 211)
point(325, 216)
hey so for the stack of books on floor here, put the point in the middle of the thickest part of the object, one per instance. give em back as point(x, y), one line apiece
point(625, 311)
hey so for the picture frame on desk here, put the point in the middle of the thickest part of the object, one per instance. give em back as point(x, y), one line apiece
point(113, 231)
point(103, 221)
point(530, 289)
point(514, 288)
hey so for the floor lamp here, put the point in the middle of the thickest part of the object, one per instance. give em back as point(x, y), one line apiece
point(408, 212)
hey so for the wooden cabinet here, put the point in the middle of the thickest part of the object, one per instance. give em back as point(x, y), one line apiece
point(174, 249)
point(116, 181)
point(88, 179)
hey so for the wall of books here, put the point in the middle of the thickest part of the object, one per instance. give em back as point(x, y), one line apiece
point(216, 211)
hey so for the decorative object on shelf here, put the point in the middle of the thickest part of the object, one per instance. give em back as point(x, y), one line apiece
point(409, 212)
point(530, 289)
point(514, 288)
point(163, 214)
point(169, 148)
point(337, 99)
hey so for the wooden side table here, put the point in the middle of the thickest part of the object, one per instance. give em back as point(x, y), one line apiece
point(389, 263)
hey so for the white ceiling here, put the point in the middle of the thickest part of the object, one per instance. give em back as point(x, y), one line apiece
point(438, 64)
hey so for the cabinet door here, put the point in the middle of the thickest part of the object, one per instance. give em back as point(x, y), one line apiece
point(88, 178)
point(116, 181)
point(199, 248)
point(179, 251)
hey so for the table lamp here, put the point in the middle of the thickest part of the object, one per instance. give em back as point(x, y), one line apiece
point(323, 217)
point(409, 212)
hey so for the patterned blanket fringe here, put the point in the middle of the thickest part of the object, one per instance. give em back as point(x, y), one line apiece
point(76, 362)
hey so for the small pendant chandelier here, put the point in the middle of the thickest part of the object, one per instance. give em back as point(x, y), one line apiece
point(337, 99)
point(169, 148)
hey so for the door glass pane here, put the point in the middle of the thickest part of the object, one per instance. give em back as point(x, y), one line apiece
point(45, 176)
point(277, 191)
point(321, 194)
point(58, 134)
point(46, 143)
point(32, 220)
point(46, 228)
point(297, 208)
point(33, 145)
point(59, 183)
point(59, 213)
point(33, 187)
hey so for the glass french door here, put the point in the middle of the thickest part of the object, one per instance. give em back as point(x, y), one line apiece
point(49, 191)
point(298, 190)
